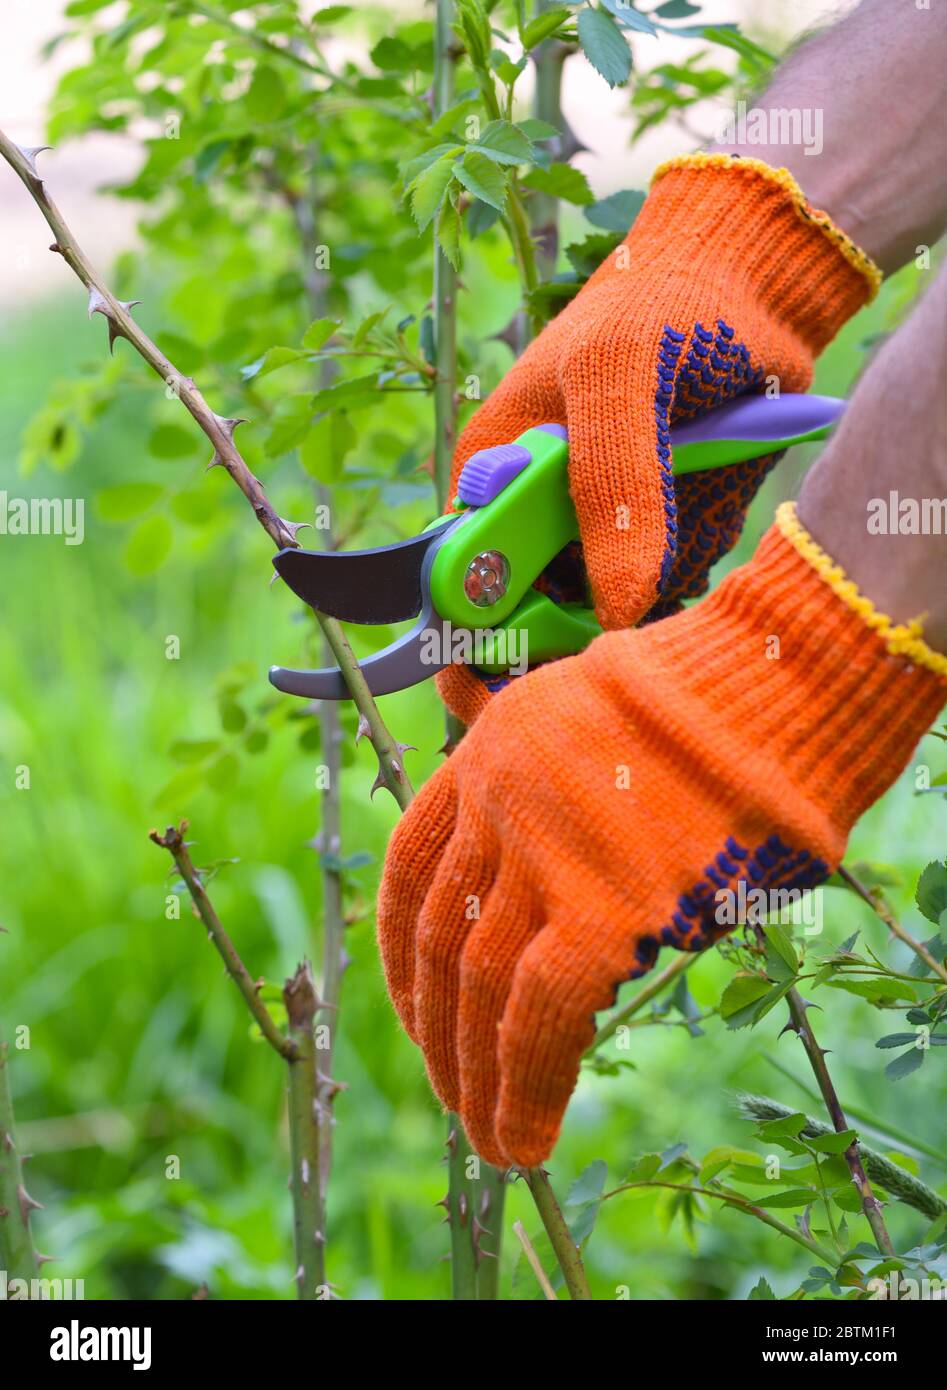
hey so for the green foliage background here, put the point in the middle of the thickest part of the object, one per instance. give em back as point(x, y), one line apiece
point(139, 1047)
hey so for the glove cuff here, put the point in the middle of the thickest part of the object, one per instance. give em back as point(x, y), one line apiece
point(723, 209)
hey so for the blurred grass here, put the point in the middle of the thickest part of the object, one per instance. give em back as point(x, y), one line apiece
point(132, 1024)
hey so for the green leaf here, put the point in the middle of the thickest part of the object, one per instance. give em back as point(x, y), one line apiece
point(125, 500)
point(875, 990)
point(193, 750)
point(448, 233)
point(266, 97)
point(331, 14)
point(273, 360)
point(603, 45)
point(792, 1197)
point(760, 1290)
point(782, 946)
point(617, 212)
point(171, 442)
point(905, 1064)
point(537, 130)
point(561, 181)
point(363, 331)
point(629, 17)
point(392, 55)
point(644, 1168)
point(589, 1185)
point(323, 451)
point(427, 192)
point(586, 256)
point(898, 1040)
point(410, 169)
point(318, 333)
point(542, 26)
point(675, 9)
point(741, 998)
point(785, 1125)
point(149, 545)
point(832, 1143)
point(482, 177)
point(931, 893)
point(505, 143)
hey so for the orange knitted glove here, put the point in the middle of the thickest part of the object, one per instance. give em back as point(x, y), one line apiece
point(727, 278)
point(597, 807)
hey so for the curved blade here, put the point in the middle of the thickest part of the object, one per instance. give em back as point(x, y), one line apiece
point(361, 586)
point(412, 659)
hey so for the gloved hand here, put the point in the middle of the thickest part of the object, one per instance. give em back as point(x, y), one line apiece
point(596, 808)
point(726, 279)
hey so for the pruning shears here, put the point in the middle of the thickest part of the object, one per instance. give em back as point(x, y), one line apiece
point(471, 572)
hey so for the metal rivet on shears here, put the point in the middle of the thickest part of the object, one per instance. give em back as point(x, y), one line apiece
point(486, 578)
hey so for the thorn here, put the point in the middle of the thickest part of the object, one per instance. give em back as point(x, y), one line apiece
point(228, 426)
point(29, 153)
point(217, 462)
point(378, 782)
point(98, 304)
point(291, 528)
point(448, 746)
point(462, 1208)
point(364, 729)
point(299, 1276)
point(444, 1202)
point(47, 1259)
point(27, 1203)
point(450, 1143)
point(510, 334)
point(405, 747)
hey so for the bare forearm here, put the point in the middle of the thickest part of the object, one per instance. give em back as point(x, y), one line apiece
point(871, 89)
point(877, 498)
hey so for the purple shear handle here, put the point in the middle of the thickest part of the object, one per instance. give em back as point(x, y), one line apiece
point(761, 418)
point(778, 420)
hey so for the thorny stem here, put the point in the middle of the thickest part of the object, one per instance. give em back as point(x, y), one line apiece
point(677, 966)
point(173, 841)
point(298, 1051)
point(220, 432)
point(18, 1254)
point(870, 1204)
point(460, 1203)
point(445, 279)
point(566, 1250)
point(878, 905)
point(305, 1113)
point(547, 106)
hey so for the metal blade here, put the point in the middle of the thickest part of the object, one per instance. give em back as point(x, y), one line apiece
point(362, 586)
point(406, 662)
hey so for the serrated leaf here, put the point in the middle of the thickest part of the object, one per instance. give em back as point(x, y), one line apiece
point(318, 333)
point(273, 360)
point(125, 500)
point(898, 1040)
point(644, 1168)
point(428, 190)
point(742, 993)
point(760, 1290)
point(505, 143)
point(561, 181)
point(448, 233)
point(323, 451)
point(483, 178)
point(931, 892)
point(617, 212)
point(542, 26)
point(792, 1197)
point(629, 17)
point(781, 944)
point(536, 131)
point(904, 1065)
point(589, 1185)
point(875, 989)
point(603, 45)
point(266, 97)
point(832, 1143)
